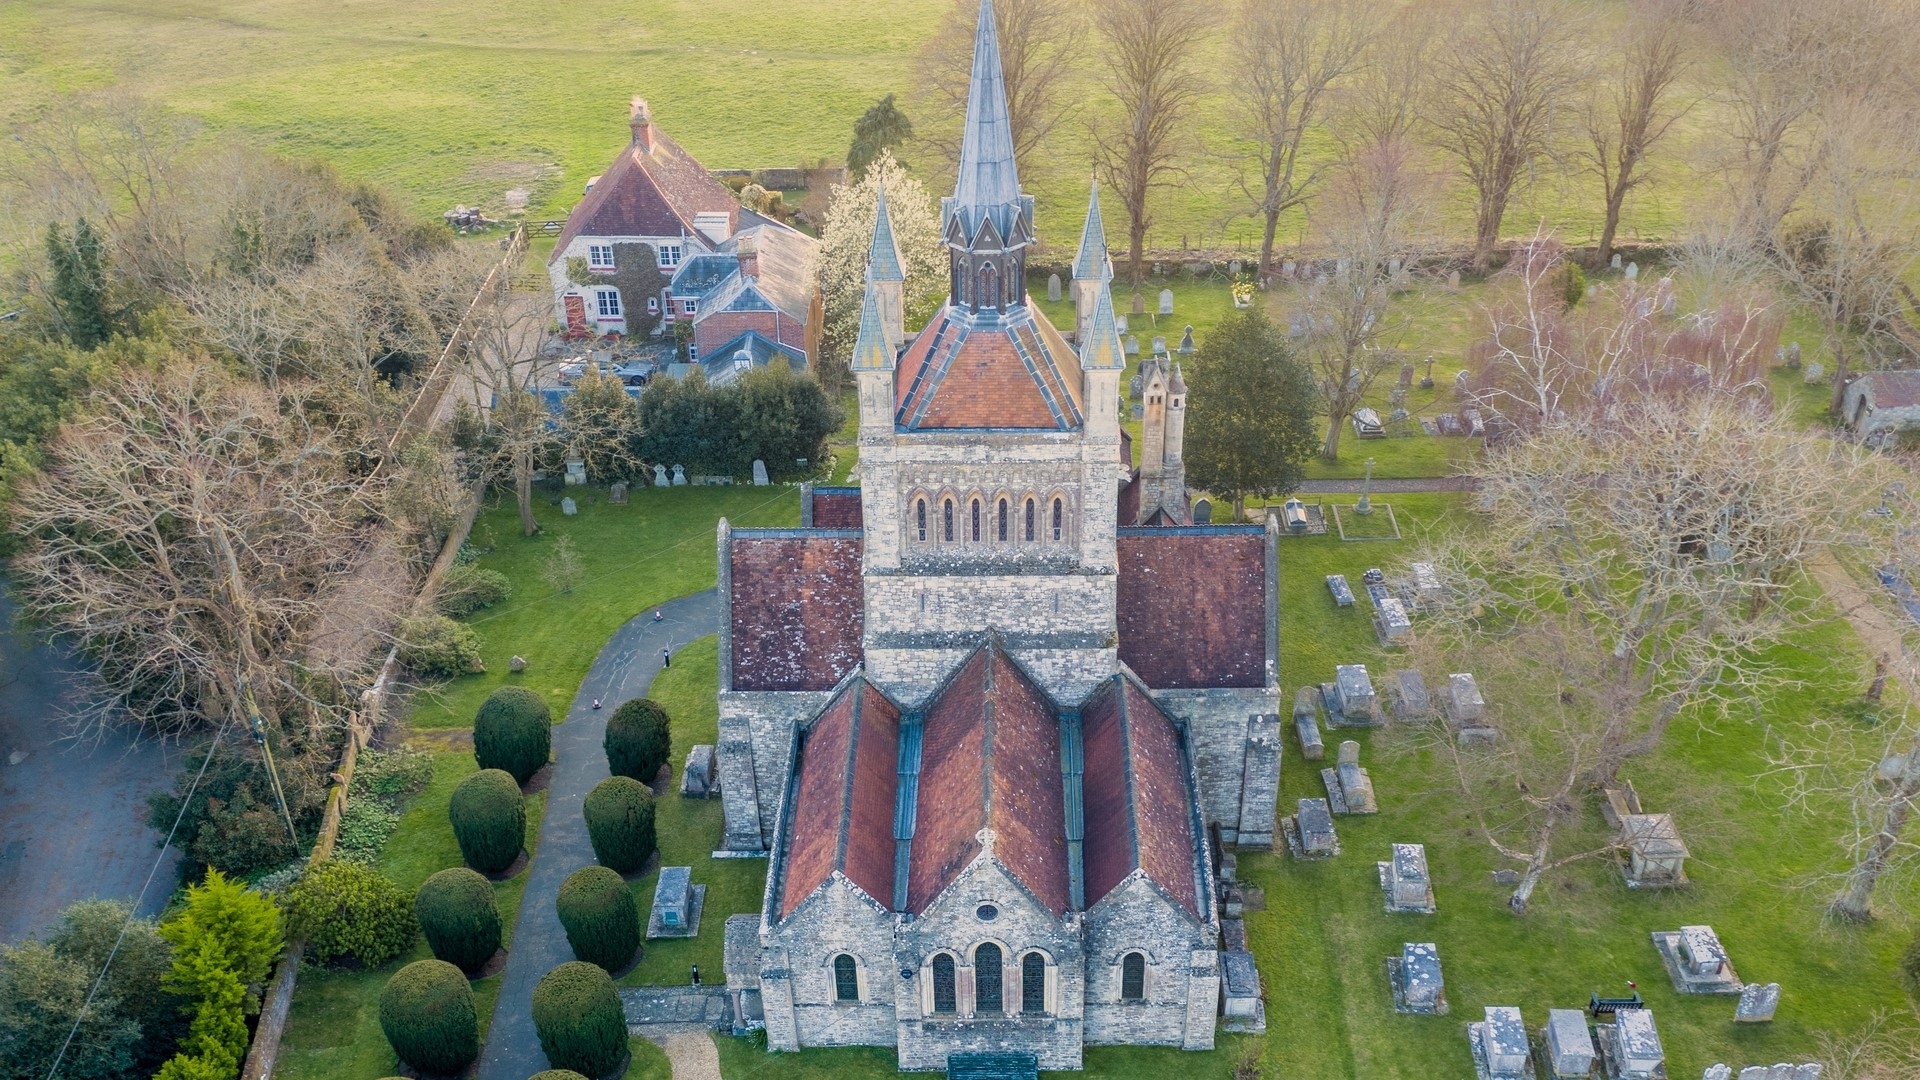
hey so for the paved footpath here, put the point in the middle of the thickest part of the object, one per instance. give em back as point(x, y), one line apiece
point(624, 669)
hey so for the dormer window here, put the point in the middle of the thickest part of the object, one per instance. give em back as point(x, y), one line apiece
point(600, 257)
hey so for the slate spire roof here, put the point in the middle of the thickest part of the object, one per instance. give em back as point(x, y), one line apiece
point(870, 349)
point(1103, 350)
point(883, 256)
point(988, 179)
point(1091, 262)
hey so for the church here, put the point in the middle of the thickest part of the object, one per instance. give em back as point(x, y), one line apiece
point(993, 714)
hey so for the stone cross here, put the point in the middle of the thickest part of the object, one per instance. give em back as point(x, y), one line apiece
point(679, 476)
point(660, 476)
point(1053, 288)
point(1166, 301)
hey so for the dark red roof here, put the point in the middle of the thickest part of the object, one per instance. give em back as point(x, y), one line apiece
point(1129, 508)
point(797, 608)
point(841, 817)
point(990, 758)
point(653, 193)
point(958, 375)
point(1893, 389)
point(1137, 797)
point(837, 508)
point(1192, 605)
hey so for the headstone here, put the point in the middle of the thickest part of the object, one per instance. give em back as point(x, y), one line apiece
point(1757, 1003)
point(1643, 308)
point(1505, 876)
point(1133, 345)
point(1053, 288)
point(1638, 1041)
point(1354, 691)
point(1120, 324)
point(1393, 268)
point(1306, 724)
point(660, 476)
point(1166, 301)
point(1449, 425)
point(1702, 953)
point(617, 494)
point(679, 476)
point(1316, 828)
point(1477, 736)
point(1406, 375)
point(1139, 305)
point(1203, 512)
point(1453, 279)
point(1633, 271)
point(1461, 381)
point(1500, 1043)
point(1418, 986)
point(1391, 623)
point(1408, 885)
point(517, 664)
point(1134, 387)
point(1793, 354)
point(576, 472)
point(1239, 986)
point(1287, 269)
point(568, 506)
point(1349, 788)
point(1720, 1071)
point(696, 780)
point(1397, 397)
point(1463, 703)
point(759, 473)
point(1426, 584)
point(1476, 423)
point(1411, 701)
point(1336, 583)
point(1569, 1044)
point(1233, 268)
point(1616, 260)
point(1159, 346)
point(1814, 372)
point(1186, 341)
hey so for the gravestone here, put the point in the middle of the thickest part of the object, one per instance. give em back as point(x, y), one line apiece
point(1406, 376)
point(1632, 1042)
point(1476, 423)
point(759, 473)
point(1233, 268)
point(1159, 346)
point(1203, 512)
point(1463, 704)
point(1418, 986)
point(1120, 324)
point(1166, 301)
point(1449, 425)
point(1410, 700)
point(679, 476)
point(1696, 961)
point(1814, 372)
point(1139, 411)
point(1461, 382)
point(1349, 788)
point(1306, 724)
point(1186, 341)
point(1393, 269)
point(1616, 260)
point(1314, 826)
point(576, 472)
point(1287, 269)
point(1499, 1042)
point(1757, 1003)
point(617, 494)
point(1397, 397)
point(1139, 305)
point(1719, 1071)
point(1453, 279)
point(1133, 345)
point(1352, 701)
point(660, 476)
point(1134, 387)
point(1633, 271)
point(696, 780)
point(1405, 880)
point(1668, 301)
point(1241, 1005)
point(1391, 624)
point(1643, 308)
point(676, 904)
point(569, 507)
point(517, 664)
point(1570, 1050)
point(1793, 354)
point(1053, 288)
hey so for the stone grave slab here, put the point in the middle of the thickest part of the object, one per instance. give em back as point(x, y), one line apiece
point(1461, 700)
point(1569, 1044)
point(1426, 584)
point(1350, 698)
point(1242, 1004)
point(1695, 961)
point(676, 904)
point(1408, 696)
point(1309, 831)
point(696, 780)
point(1405, 880)
point(1349, 787)
point(1415, 977)
point(1342, 592)
point(1500, 1047)
point(1630, 1047)
point(1306, 724)
point(1391, 623)
point(1449, 424)
point(1757, 1003)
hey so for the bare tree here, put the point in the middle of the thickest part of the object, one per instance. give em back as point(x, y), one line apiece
point(1152, 73)
point(1039, 42)
point(1287, 56)
point(1647, 540)
point(598, 425)
point(503, 369)
point(1503, 88)
point(1634, 110)
point(1378, 105)
point(187, 532)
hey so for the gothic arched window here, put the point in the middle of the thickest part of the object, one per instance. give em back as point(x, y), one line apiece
point(1030, 534)
point(943, 996)
point(986, 289)
point(1003, 521)
point(846, 979)
point(1059, 519)
point(947, 509)
point(920, 519)
point(1033, 983)
point(986, 979)
point(976, 521)
point(1133, 977)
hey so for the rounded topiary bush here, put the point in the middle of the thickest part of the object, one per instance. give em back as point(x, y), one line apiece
point(427, 1013)
point(557, 1074)
point(489, 820)
point(513, 731)
point(458, 914)
point(602, 922)
point(639, 737)
point(347, 910)
point(619, 812)
point(576, 1012)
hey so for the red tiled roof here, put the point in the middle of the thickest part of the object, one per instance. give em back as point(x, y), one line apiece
point(797, 609)
point(1192, 605)
point(1129, 508)
point(649, 194)
point(990, 758)
point(1138, 802)
point(837, 510)
point(957, 376)
point(842, 812)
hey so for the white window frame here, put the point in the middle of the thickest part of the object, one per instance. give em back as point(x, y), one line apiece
point(653, 305)
point(595, 260)
point(693, 353)
point(670, 255)
point(607, 303)
point(689, 306)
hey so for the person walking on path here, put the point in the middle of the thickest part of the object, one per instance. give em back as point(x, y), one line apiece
point(666, 657)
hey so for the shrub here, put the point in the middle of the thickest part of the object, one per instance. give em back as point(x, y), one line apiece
point(619, 812)
point(576, 1012)
point(468, 588)
point(437, 646)
point(602, 923)
point(428, 1015)
point(233, 821)
point(458, 915)
point(489, 818)
point(639, 738)
point(392, 774)
point(225, 939)
point(1573, 283)
point(557, 1074)
point(364, 829)
point(348, 910)
point(513, 731)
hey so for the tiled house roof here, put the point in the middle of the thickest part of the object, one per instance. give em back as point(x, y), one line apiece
point(722, 365)
point(649, 193)
point(841, 817)
point(1137, 796)
point(797, 608)
point(786, 279)
point(836, 508)
point(1192, 605)
point(962, 374)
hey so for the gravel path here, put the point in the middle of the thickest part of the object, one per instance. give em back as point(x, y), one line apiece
point(624, 669)
point(691, 1051)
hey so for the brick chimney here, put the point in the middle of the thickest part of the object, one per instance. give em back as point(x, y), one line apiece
point(749, 257)
point(640, 119)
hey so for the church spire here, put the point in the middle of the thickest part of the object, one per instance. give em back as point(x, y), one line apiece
point(1091, 263)
point(883, 255)
point(987, 174)
point(987, 221)
point(871, 349)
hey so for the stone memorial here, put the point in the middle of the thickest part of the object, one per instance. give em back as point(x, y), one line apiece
point(1500, 1049)
point(1309, 831)
point(1757, 1003)
point(1453, 279)
point(1449, 424)
point(1202, 512)
point(569, 507)
point(660, 476)
point(1426, 584)
point(696, 780)
point(676, 904)
point(1134, 386)
point(1813, 373)
point(1367, 425)
point(1418, 986)
point(1053, 288)
point(1793, 354)
point(1133, 345)
point(1139, 306)
point(1119, 324)
point(1287, 269)
point(1721, 1071)
point(1476, 423)
point(1242, 1007)
point(1349, 787)
point(1166, 301)
point(617, 494)
point(1159, 346)
point(1405, 880)
point(1391, 623)
point(1570, 1051)
point(1461, 701)
point(1306, 724)
point(1408, 697)
point(679, 476)
point(1406, 376)
point(1630, 1046)
point(1462, 382)
point(759, 473)
point(1656, 856)
point(1234, 268)
point(1616, 260)
point(1633, 271)
point(576, 472)
point(517, 664)
point(1349, 698)
point(1337, 585)
point(1695, 961)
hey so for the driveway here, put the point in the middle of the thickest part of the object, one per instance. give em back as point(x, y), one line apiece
point(73, 816)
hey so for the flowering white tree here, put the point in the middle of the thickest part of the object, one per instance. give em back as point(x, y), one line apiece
point(845, 241)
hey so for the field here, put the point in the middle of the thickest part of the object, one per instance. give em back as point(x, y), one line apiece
point(459, 102)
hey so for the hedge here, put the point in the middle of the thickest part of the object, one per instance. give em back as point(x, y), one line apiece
point(619, 813)
point(428, 1015)
point(639, 738)
point(436, 646)
point(468, 588)
point(489, 818)
point(347, 910)
point(458, 914)
point(576, 1012)
point(600, 917)
point(513, 731)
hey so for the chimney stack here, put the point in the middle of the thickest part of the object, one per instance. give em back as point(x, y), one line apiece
point(749, 257)
point(640, 119)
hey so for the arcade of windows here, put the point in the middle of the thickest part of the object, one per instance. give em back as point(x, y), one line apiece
point(975, 518)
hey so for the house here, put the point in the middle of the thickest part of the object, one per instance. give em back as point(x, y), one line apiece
point(662, 240)
point(1878, 403)
point(984, 727)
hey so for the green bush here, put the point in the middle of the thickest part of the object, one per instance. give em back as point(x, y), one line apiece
point(513, 731)
point(458, 914)
point(437, 646)
point(557, 1074)
point(348, 910)
point(639, 738)
point(468, 588)
point(428, 1015)
point(233, 821)
point(576, 1012)
point(392, 774)
point(619, 812)
point(489, 818)
point(364, 829)
point(1573, 283)
point(602, 922)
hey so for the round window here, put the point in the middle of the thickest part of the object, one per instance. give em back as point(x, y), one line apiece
point(987, 912)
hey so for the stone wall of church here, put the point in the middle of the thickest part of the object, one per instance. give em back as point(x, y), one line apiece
point(756, 743)
point(1137, 917)
point(837, 920)
point(1220, 723)
point(918, 627)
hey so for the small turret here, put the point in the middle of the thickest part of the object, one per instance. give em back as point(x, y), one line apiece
point(1176, 429)
point(1091, 268)
point(887, 274)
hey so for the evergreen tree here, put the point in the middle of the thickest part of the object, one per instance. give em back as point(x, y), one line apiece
point(80, 283)
point(1250, 421)
point(883, 127)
